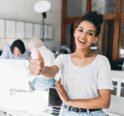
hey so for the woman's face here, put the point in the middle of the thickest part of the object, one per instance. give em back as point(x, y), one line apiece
point(17, 52)
point(85, 35)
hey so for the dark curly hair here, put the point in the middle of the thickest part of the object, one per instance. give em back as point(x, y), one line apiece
point(19, 44)
point(93, 17)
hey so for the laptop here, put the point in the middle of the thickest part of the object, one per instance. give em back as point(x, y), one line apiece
point(14, 74)
point(54, 102)
point(54, 99)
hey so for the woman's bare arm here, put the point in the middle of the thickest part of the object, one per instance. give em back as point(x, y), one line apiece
point(49, 71)
point(103, 101)
point(37, 67)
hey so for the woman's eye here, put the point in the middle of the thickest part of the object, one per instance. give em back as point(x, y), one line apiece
point(80, 30)
point(90, 33)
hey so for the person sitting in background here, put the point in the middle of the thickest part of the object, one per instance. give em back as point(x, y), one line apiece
point(16, 50)
point(63, 50)
point(41, 82)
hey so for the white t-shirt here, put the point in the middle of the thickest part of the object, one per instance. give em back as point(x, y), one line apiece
point(86, 81)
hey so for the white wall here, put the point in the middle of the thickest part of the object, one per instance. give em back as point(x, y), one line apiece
point(22, 10)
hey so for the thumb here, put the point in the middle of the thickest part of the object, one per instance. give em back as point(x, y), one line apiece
point(39, 55)
point(35, 54)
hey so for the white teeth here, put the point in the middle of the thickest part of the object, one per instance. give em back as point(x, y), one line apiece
point(82, 41)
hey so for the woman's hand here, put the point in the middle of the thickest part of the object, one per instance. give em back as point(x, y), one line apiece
point(62, 93)
point(36, 65)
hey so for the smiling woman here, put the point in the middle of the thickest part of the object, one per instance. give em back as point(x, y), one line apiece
point(85, 86)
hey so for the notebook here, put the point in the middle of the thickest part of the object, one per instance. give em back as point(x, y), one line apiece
point(14, 74)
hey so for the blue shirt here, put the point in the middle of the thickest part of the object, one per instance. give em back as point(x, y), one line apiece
point(7, 54)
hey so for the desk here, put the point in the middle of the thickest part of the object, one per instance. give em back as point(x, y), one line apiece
point(19, 113)
point(26, 104)
point(118, 76)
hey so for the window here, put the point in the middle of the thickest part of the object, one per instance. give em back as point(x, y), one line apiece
point(112, 38)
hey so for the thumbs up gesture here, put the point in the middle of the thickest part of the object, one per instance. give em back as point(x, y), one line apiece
point(36, 62)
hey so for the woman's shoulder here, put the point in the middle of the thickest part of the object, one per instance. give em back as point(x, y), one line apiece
point(7, 46)
point(102, 59)
point(63, 57)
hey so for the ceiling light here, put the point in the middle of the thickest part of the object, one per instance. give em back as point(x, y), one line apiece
point(42, 6)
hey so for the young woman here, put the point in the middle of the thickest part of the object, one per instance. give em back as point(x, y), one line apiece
point(86, 85)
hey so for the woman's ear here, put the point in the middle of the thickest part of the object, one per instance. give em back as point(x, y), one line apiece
point(95, 40)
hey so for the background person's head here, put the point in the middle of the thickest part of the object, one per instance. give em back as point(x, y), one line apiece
point(18, 47)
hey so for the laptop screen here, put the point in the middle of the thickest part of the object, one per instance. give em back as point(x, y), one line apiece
point(17, 72)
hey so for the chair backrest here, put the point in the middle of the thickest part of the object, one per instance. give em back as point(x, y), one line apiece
point(63, 50)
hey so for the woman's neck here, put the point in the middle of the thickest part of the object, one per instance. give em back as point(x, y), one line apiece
point(83, 53)
point(82, 58)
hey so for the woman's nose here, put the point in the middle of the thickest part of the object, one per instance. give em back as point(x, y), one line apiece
point(83, 35)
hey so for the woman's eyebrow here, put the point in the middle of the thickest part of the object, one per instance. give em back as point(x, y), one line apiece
point(86, 29)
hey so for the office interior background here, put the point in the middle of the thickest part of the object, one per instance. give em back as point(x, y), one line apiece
point(19, 20)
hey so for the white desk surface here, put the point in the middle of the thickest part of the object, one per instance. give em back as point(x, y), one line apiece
point(25, 104)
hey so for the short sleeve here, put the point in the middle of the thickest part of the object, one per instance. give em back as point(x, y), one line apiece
point(104, 75)
point(59, 61)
